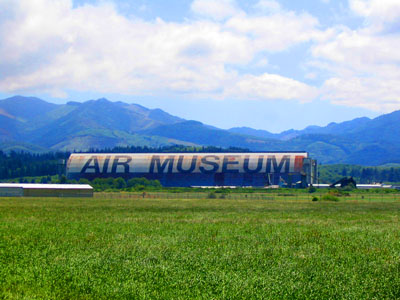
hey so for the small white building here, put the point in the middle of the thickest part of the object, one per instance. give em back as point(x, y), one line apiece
point(45, 190)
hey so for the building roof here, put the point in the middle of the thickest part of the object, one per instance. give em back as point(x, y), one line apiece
point(188, 153)
point(46, 186)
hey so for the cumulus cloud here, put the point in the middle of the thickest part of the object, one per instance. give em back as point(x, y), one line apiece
point(268, 6)
point(382, 10)
point(51, 46)
point(379, 94)
point(215, 9)
point(272, 86)
point(363, 63)
point(360, 50)
point(277, 32)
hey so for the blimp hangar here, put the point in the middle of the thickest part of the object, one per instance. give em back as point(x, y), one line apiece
point(199, 169)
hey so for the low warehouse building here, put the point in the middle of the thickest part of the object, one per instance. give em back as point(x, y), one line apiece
point(45, 190)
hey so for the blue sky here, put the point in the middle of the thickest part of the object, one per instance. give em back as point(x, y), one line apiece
point(265, 64)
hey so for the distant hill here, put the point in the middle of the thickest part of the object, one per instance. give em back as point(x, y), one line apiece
point(31, 124)
point(79, 126)
point(332, 128)
point(200, 134)
point(254, 132)
point(26, 109)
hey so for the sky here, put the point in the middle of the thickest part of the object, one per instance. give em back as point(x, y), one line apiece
point(266, 64)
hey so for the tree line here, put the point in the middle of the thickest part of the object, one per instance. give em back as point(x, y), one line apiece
point(109, 184)
point(23, 164)
point(168, 149)
point(361, 174)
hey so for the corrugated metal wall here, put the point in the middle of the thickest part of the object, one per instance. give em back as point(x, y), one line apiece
point(11, 192)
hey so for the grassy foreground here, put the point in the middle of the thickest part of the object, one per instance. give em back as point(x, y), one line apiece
point(198, 249)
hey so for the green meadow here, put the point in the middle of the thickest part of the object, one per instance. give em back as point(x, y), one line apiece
point(242, 247)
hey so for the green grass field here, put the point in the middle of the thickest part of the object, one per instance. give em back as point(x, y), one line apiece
point(275, 248)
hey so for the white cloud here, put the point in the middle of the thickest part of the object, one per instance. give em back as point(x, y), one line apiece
point(49, 46)
point(360, 50)
point(379, 94)
point(272, 86)
point(268, 6)
point(365, 69)
point(363, 63)
point(383, 10)
point(277, 32)
point(215, 9)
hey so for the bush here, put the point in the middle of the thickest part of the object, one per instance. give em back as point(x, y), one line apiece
point(345, 194)
point(223, 191)
point(212, 195)
point(63, 179)
point(334, 192)
point(329, 197)
point(314, 198)
point(350, 187)
point(84, 181)
point(339, 193)
point(119, 183)
point(137, 181)
point(134, 182)
point(139, 187)
point(312, 189)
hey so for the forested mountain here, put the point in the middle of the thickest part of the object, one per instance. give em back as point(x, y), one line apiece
point(102, 123)
point(95, 123)
point(31, 124)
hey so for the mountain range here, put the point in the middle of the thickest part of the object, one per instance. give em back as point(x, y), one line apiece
point(32, 124)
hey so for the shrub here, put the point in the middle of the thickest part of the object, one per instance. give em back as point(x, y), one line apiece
point(212, 195)
point(334, 192)
point(139, 187)
point(119, 183)
point(314, 198)
point(329, 197)
point(312, 189)
point(143, 182)
point(155, 183)
point(339, 193)
point(84, 181)
point(350, 187)
point(63, 179)
point(223, 191)
point(137, 181)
